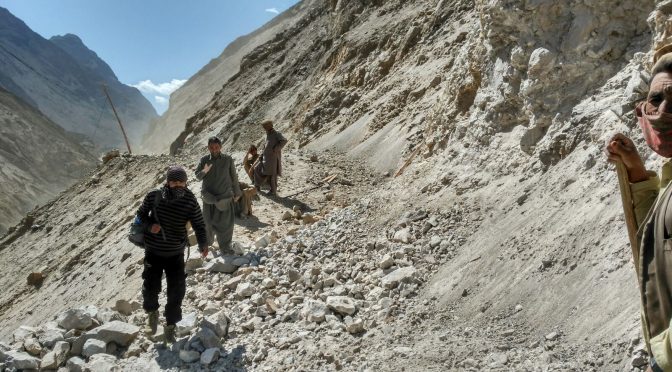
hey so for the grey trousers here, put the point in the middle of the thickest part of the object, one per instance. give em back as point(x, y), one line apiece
point(220, 223)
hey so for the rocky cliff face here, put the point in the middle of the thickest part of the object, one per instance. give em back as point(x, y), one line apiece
point(500, 246)
point(39, 159)
point(62, 78)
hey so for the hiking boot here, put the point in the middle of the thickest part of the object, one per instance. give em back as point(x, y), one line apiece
point(152, 322)
point(169, 334)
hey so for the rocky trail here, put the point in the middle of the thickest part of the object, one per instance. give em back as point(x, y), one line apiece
point(333, 284)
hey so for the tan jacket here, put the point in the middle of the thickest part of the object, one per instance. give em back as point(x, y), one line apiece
point(653, 211)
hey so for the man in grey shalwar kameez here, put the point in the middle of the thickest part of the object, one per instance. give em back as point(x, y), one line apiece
point(269, 167)
point(219, 192)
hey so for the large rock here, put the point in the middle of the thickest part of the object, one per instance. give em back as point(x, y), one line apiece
point(32, 346)
point(123, 307)
point(56, 357)
point(103, 363)
point(218, 323)
point(386, 262)
point(222, 265)
point(210, 356)
point(185, 325)
point(93, 347)
point(314, 311)
point(353, 325)
point(23, 332)
point(245, 290)
point(189, 356)
point(74, 319)
point(404, 274)
point(21, 360)
point(342, 304)
point(115, 331)
point(403, 236)
point(118, 332)
point(75, 364)
point(48, 337)
point(209, 338)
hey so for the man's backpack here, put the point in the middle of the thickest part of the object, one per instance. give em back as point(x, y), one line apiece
point(136, 234)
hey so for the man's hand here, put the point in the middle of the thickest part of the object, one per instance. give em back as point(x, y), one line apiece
point(204, 252)
point(206, 168)
point(621, 148)
point(155, 228)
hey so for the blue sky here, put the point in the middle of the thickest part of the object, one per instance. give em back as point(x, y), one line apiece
point(153, 44)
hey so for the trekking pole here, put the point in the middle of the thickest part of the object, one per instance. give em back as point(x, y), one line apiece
point(628, 211)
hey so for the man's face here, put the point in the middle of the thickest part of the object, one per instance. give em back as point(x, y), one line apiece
point(177, 184)
point(268, 127)
point(215, 149)
point(660, 94)
point(253, 151)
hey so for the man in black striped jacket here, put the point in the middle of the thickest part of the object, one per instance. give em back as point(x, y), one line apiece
point(164, 247)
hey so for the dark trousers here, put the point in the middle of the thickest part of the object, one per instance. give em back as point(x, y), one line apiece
point(175, 278)
point(261, 179)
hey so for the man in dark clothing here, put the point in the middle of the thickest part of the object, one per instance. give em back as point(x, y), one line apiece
point(220, 191)
point(164, 247)
point(269, 167)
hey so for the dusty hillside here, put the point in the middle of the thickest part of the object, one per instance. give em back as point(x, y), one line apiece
point(500, 247)
point(39, 159)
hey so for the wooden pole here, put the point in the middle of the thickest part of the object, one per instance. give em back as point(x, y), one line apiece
point(628, 211)
point(118, 120)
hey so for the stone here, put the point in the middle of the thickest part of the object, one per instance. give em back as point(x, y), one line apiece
point(189, 356)
point(552, 336)
point(404, 274)
point(240, 261)
point(218, 323)
point(23, 332)
point(74, 319)
point(32, 346)
point(287, 216)
point(353, 326)
point(50, 336)
point(268, 283)
point(75, 364)
point(314, 311)
point(107, 315)
point(403, 236)
point(102, 362)
point(435, 241)
point(263, 241)
point(49, 361)
point(36, 279)
point(194, 261)
point(208, 338)
point(293, 275)
point(309, 219)
point(123, 307)
point(341, 304)
point(118, 332)
point(221, 265)
point(93, 347)
point(21, 360)
point(245, 290)
point(233, 282)
point(184, 326)
point(639, 361)
point(386, 262)
point(209, 356)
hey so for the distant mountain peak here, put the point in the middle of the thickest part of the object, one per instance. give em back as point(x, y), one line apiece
point(75, 47)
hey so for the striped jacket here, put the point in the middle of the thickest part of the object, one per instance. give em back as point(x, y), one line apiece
point(173, 217)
